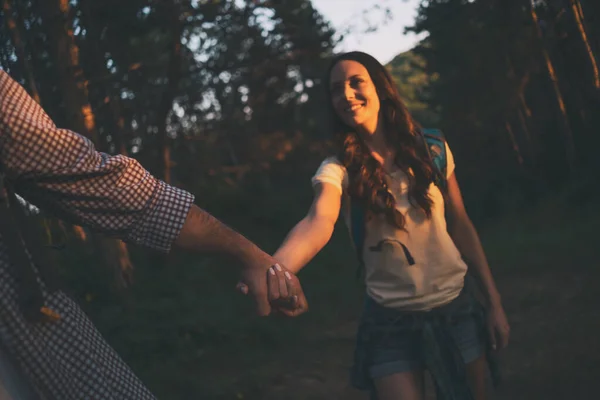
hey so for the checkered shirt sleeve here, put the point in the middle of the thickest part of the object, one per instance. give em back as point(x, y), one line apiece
point(60, 171)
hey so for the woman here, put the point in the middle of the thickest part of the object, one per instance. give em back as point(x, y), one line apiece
point(416, 311)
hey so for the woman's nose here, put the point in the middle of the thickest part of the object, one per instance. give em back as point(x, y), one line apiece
point(348, 92)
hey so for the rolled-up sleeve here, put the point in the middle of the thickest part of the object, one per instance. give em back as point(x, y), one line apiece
point(60, 171)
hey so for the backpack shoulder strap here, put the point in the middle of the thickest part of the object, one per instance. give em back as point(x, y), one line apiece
point(435, 143)
point(357, 227)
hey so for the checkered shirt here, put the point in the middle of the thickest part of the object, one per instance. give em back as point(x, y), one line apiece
point(60, 172)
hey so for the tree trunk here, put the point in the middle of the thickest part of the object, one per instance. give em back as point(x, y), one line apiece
point(579, 19)
point(166, 104)
point(79, 114)
point(119, 122)
point(568, 133)
point(513, 141)
point(525, 128)
point(521, 84)
point(72, 81)
point(107, 101)
point(79, 233)
point(115, 256)
point(526, 108)
point(15, 26)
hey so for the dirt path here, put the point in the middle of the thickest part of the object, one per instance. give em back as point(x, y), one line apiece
point(554, 351)
point(546, 265)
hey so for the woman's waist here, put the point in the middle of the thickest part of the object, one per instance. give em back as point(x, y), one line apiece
point(451, 303)
point(384, 251)
point(401, 285)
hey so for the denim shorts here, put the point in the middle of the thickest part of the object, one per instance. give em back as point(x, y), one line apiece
point(391, 341)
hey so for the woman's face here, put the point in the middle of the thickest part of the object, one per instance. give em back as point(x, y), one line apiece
point(354, 96)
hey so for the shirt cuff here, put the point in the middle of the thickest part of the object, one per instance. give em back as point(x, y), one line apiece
point(162, 225)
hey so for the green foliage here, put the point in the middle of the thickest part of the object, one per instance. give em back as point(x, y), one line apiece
point(409, 72)
point(490, 86)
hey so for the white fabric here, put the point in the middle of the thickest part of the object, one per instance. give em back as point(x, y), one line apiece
point(437, 276)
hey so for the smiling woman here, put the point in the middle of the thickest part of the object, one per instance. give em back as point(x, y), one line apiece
point(414, 272)
point(354, 96)
point(359, 82)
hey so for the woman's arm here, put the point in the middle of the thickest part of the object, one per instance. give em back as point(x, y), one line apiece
point(303, 242)
point(313, 232)
point(467, 241)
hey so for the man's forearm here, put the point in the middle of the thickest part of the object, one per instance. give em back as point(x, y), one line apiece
point(204, 233)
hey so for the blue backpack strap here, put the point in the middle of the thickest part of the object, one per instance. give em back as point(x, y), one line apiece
point(436, 146)
point(435, 142)
point(358, 223)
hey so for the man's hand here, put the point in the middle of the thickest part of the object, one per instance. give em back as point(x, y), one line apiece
point(203, 233)
point(284, 292)
point(254, 280)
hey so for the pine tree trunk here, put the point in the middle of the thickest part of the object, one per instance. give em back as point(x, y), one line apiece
point(79, 114)
point(107, 101)
point(524, 105)
point(166, 104)
point(513, 141)
point(15, 26)
point(567, 131)
point(119, 124)
point(525, 128)
point(579, 19)
point(65, 52)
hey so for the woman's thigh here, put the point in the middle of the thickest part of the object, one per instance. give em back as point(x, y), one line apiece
point(476, 375)
point(409, 385)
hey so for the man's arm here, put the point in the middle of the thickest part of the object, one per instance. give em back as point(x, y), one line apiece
point(60, 171)
point(201, 232)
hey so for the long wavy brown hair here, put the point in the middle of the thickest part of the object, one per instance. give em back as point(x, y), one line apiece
point(367, 177)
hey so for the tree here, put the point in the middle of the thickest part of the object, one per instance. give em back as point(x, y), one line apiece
point(79, 114)
point(14, 23)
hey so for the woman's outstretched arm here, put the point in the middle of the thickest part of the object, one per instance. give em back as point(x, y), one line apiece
point(313, 232)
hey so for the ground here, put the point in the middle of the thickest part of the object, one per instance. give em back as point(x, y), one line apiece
point(546, 263)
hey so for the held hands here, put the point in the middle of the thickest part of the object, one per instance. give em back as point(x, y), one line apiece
point(283, 293)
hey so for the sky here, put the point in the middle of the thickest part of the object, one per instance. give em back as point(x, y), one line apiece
point(384, 44)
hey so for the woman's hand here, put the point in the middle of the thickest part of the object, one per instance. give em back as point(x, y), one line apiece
point(284, 292)
point(498, 327)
